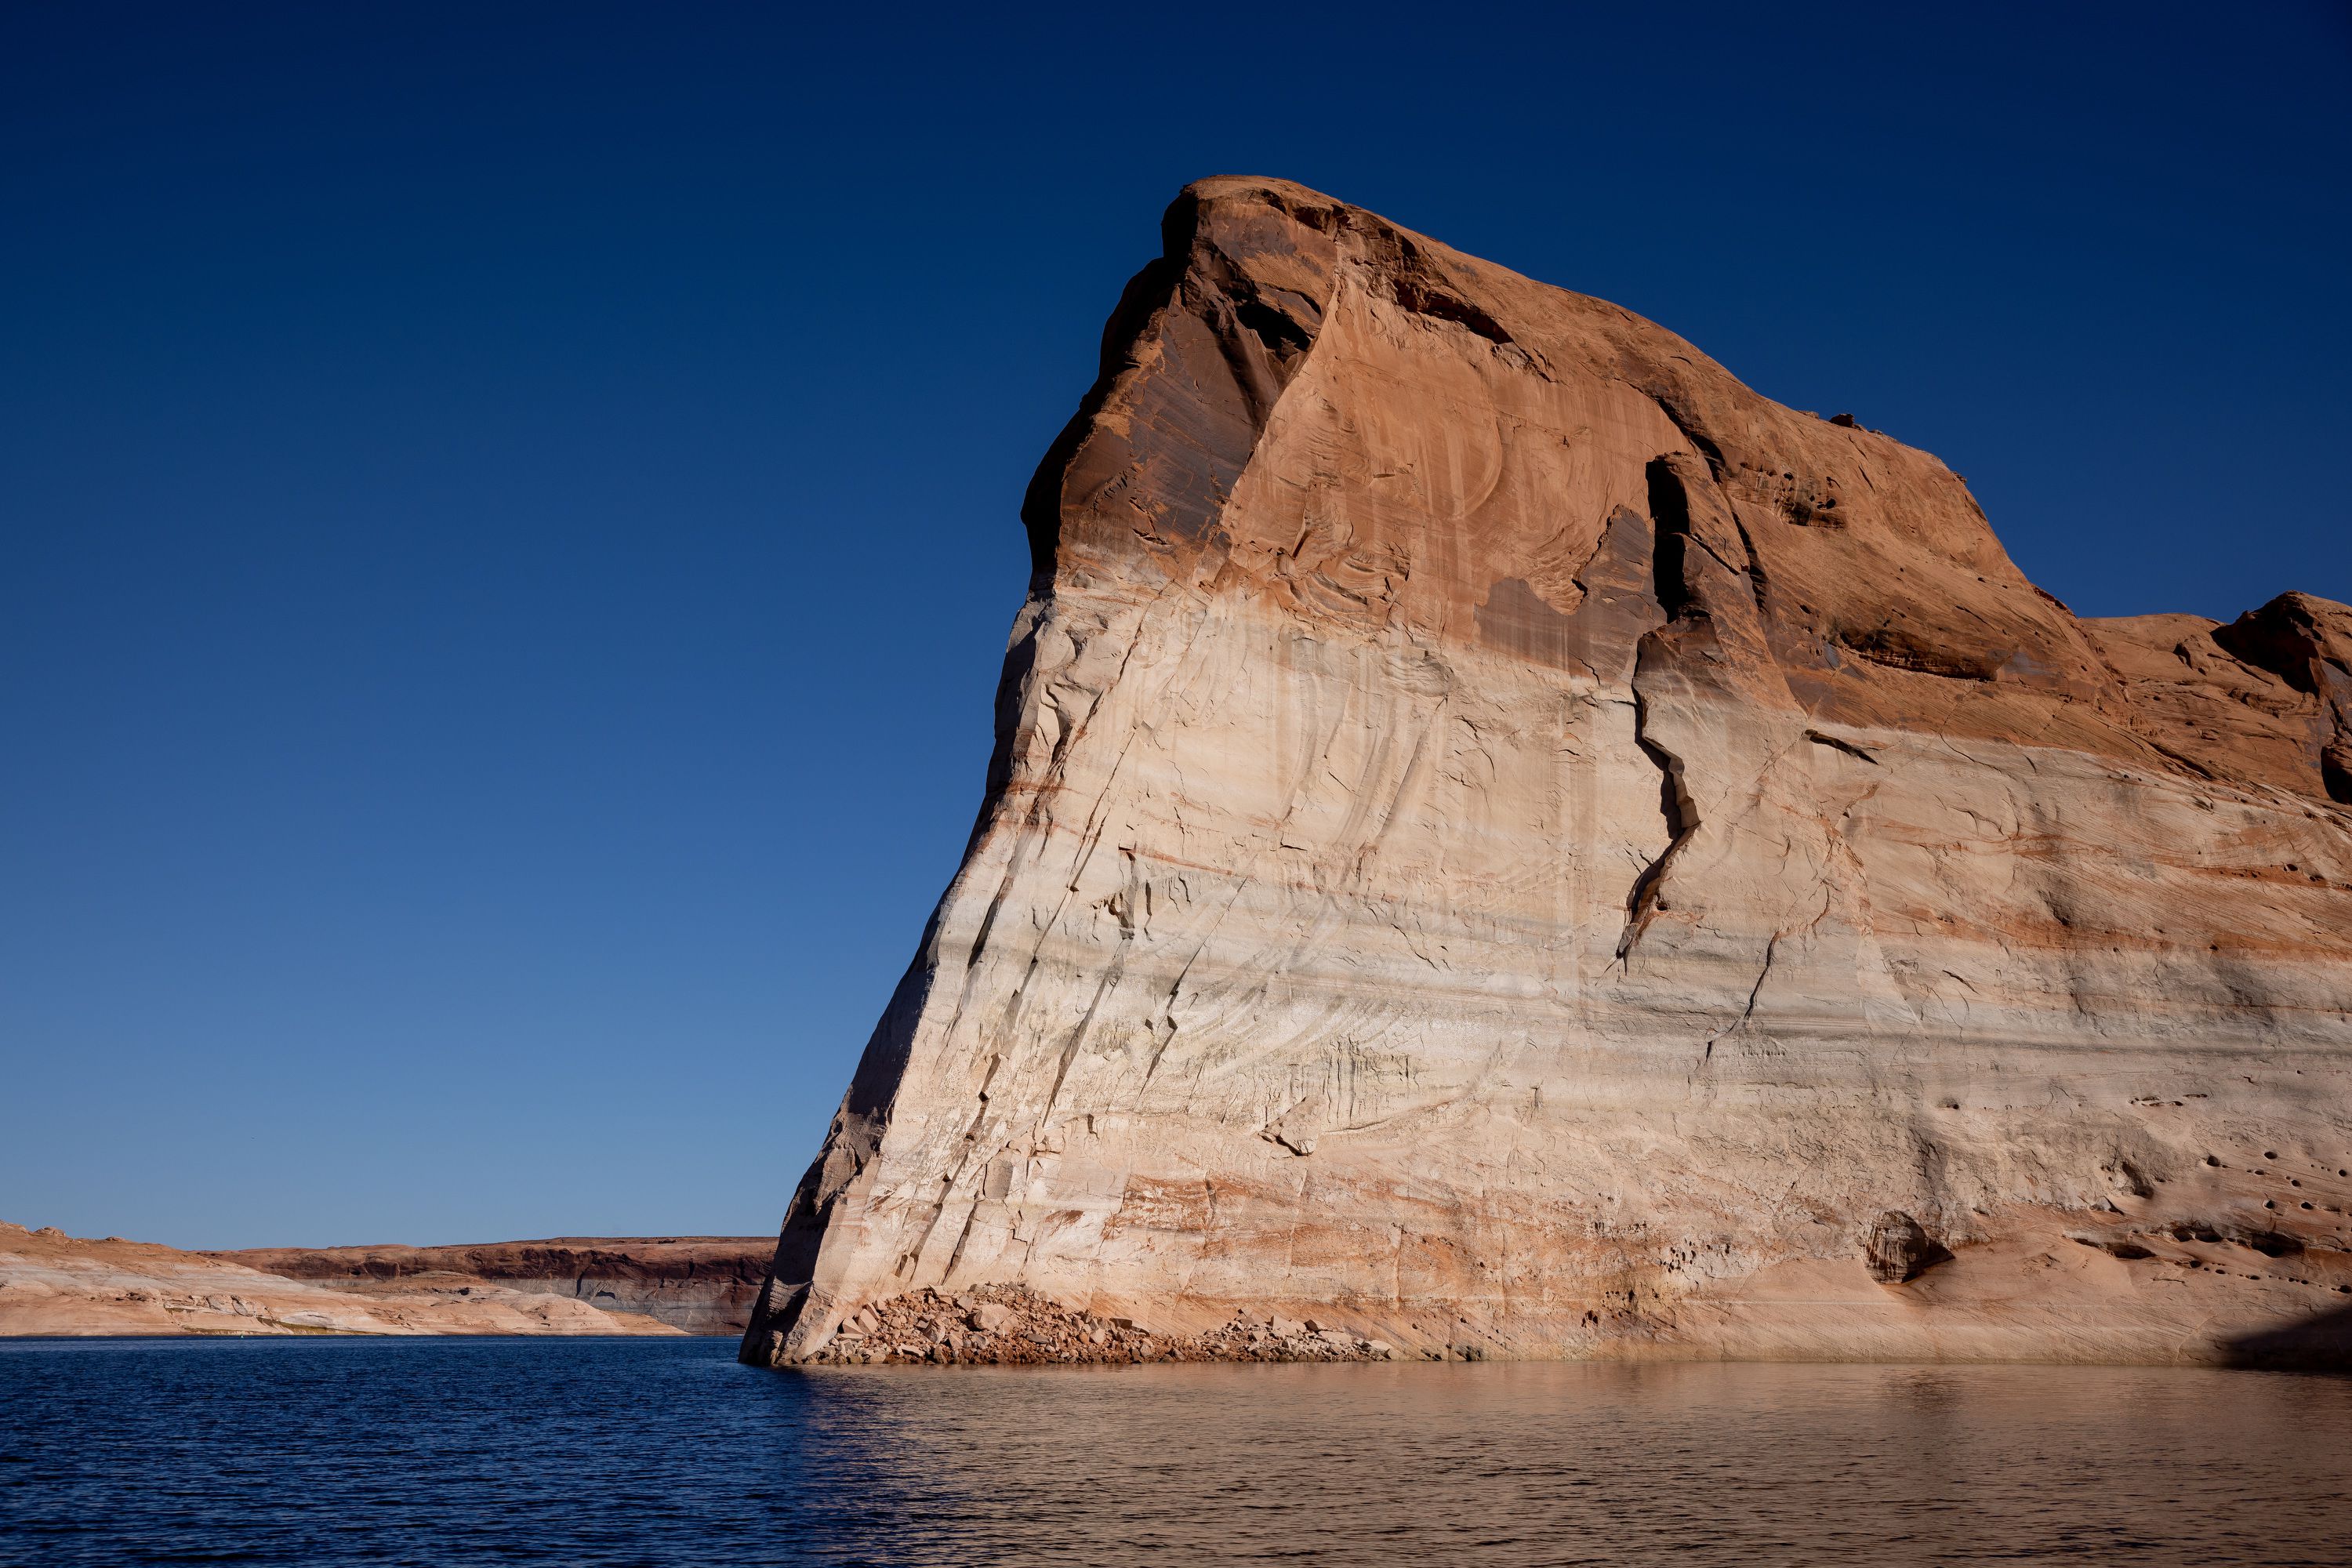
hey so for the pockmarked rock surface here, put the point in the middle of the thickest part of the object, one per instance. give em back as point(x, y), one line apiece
point(56, 1284)
point(1504, 840)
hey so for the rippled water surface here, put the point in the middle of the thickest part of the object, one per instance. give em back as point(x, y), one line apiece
point(665, 1451)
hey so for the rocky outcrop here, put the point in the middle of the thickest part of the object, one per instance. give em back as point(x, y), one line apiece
point(1897, 1248)
point(52, 1283)
point(701, 1284)
point(1499, 835)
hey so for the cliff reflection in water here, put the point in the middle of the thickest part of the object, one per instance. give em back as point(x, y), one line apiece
point(1578, 1464)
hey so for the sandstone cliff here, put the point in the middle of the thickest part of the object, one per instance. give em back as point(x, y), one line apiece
point(1504, 839)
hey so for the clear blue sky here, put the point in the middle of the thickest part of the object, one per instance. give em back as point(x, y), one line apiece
point(508, 516)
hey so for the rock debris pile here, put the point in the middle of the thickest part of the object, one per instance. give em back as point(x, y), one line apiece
point(1008, 1326)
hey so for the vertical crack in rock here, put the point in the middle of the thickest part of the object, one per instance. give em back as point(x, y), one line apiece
point(1670, 519)
point(1642, 903)
point(1670, 539)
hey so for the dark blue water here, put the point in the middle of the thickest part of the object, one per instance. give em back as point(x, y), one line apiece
point(322, 1452)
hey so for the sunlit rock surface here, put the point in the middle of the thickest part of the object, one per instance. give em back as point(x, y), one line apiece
point(700, 1284)
point(56, 1284)
point(1506, 839)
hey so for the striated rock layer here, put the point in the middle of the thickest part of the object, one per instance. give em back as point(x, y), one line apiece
point(55, 1284)
point(1506, 840)
point(701, 1284)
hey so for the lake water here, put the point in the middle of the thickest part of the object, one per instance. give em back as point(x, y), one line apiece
point(322, 1452)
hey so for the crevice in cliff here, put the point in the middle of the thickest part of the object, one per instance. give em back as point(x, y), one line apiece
point(1670, 512)
point(1834, 744)
point(1670, 521)
point(1681, 605)
point(1642, 901)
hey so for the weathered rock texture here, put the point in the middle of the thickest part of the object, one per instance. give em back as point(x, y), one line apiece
point(702, 1284)
point(1502, 837)
point(52, 1283)
point(1007, 1325)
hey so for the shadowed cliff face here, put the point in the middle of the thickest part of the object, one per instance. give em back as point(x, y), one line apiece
point(1504, 836)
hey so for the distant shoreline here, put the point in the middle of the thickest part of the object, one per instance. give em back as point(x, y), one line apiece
point(55, 1286)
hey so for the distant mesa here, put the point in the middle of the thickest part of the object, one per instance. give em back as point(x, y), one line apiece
point(1502, 841)
point(51, 1283)
point(698, 1284)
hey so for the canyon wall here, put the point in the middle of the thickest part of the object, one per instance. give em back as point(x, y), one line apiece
point(1505, 838)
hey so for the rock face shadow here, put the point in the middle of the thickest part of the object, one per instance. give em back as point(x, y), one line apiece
point(2320, 1343)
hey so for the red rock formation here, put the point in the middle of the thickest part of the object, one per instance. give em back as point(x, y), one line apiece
point(1505, 837)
